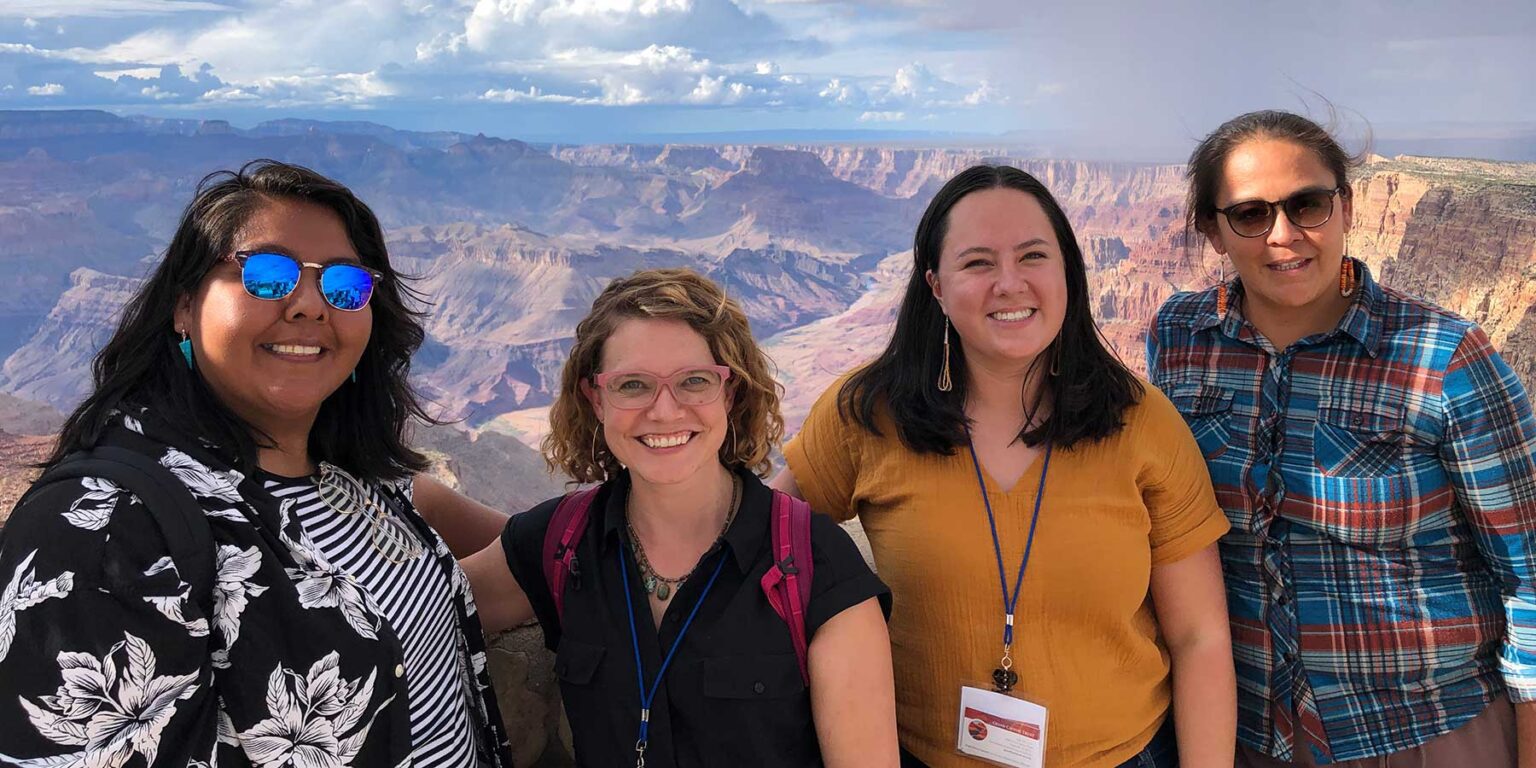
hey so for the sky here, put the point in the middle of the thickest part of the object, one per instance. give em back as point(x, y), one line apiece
point(1123, 74)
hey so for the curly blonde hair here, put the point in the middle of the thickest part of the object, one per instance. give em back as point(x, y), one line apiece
point(755, 424)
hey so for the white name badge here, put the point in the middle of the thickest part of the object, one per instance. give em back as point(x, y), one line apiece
point(1001, 729)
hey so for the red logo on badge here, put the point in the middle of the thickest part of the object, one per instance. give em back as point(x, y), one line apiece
point(977, 729)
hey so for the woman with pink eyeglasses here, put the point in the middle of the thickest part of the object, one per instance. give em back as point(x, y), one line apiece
point(698, 617)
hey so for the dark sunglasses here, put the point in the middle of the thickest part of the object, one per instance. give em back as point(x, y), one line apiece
point(1306, 209)
point(271, 276)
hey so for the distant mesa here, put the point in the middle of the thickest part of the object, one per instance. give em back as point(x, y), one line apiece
point(511, 241)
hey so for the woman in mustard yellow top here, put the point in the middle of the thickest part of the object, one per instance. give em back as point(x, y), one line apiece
point(997, 454)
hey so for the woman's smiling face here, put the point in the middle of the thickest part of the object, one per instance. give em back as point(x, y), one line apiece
point(273, 362)
point(665, 442)
point(1288, 269)
point(1001, 278)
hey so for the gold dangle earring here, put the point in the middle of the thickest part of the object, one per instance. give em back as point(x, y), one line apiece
point(595, 430)
point(1346, 277)
point(945, 383)
point(1221, 290)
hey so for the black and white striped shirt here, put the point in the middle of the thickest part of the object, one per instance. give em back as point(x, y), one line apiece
point(417, 599)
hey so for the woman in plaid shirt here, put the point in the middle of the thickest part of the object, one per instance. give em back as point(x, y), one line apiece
point(1377, 460)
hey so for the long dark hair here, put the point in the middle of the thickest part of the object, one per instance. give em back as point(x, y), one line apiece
point(360, 427)
point(1209, 160)
point(1088, 393)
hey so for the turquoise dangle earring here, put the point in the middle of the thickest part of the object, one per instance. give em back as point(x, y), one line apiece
point(186, 349)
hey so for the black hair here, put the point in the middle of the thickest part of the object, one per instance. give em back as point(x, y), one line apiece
point(1209, 160)
point(360, 427)
point(1088, 391)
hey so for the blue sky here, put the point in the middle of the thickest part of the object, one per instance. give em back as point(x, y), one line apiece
point(602, 70)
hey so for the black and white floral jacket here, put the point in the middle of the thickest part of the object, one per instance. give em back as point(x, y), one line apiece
point(107, 660)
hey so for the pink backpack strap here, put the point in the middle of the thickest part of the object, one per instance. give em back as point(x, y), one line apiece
point(787, 584)
point(560, 539)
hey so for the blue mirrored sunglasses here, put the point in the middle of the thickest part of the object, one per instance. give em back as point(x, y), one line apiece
point(271, 276)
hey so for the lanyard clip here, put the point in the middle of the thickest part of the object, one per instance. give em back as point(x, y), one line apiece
point(640, 753)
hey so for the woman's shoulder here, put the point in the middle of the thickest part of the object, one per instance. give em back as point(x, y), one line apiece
point(1151, 415)
point(526, 530)
point(1186, 307)
point(837, 410)
point(85, 503)
point(1418, 322)
point(89, 526)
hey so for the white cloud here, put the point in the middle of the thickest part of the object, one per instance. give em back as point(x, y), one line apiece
point(142, 73)
point(839, 92)
point(57, 9)
point(47, 89)
point(715, 27)
point(273, 41)
point(882, 117)
point(29, 23)
point(365, 53)
point(342, 88)
point(444, 44)
point(984, 94)
point(533, 94)
point(914, 81)
point(229, 93)
point(493, 22)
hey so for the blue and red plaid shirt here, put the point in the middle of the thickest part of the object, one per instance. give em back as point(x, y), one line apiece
point(1381, 483)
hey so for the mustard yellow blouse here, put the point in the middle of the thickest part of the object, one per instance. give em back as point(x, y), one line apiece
point(1086, 643)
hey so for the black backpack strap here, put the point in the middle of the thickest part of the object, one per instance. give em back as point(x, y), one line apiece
point(171, 505)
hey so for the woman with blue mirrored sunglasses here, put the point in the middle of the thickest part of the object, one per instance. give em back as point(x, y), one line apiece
point(229, 519)
point(271, 275)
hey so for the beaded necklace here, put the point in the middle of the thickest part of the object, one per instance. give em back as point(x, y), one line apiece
point(654, 583)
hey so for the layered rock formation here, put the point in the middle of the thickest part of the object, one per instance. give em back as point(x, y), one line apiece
point(1461, 234)
point(54, 366)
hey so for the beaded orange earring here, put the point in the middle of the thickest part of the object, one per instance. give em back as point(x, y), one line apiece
point(1347, 277)
point(1221, 291)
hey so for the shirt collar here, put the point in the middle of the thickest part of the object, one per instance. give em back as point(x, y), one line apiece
point(744, 537)
point(1361, 322)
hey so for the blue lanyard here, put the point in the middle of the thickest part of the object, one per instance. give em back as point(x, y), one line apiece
point(1010, 601)
point(634, 636)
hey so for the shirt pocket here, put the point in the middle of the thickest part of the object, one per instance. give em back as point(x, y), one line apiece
point(1358, 438)
point(758, 710)
point(1359, 483)
point(1208, 411)
point(759, 676)
point(576, 663)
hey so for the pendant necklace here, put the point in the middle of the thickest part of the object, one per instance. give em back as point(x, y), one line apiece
point(654, 583)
